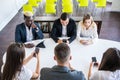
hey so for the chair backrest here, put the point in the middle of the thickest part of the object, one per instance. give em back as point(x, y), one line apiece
point(66, 1)
point(94, 0)
point(33, 3)
point(101, 3)
point(78, 0)
point(50, 9)
point(83, 3)
point(68, 8)
point(39, 0)
point(51, 1)
point(27, 7)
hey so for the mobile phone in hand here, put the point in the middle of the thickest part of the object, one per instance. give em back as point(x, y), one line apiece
point(36, 51)
point(64, 40)
point(94, 59)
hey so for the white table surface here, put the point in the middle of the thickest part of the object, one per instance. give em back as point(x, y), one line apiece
point(81, 54)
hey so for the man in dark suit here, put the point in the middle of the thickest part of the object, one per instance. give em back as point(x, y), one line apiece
point(28, 30)
point(64, 27)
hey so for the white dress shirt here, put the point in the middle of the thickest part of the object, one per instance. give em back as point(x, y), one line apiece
point(90, 33)
point(29, 34)
point(64, 31)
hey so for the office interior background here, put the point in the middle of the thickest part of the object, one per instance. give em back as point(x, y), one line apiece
point(12, 14)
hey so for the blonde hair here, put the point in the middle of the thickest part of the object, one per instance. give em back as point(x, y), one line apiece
point(88, 16)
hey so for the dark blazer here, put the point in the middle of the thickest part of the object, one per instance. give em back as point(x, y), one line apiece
point(57, 30)
point(61, 73)
point(20, 33)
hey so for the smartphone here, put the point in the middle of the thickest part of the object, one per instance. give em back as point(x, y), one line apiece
point(65, 40)
point(94, 59)
point(37, 50)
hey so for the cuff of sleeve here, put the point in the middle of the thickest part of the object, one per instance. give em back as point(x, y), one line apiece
point(36, 29)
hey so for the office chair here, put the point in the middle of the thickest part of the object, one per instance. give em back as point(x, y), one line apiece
point(33, 3)
point(50, 9)
point(28, 7)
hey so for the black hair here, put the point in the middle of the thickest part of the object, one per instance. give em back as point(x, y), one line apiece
point(28, 17)
point(64, 16)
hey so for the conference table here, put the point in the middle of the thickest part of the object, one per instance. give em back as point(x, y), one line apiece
point(81, 54)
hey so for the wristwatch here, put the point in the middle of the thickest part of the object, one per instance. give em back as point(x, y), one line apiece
point(36, 29)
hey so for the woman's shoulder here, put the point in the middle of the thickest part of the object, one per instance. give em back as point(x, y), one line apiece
point(117, 72)
point(24, 74)
point(100, 75)
point(81, 24)
point(102, 72)
point(115, 75)
point(25, 69)
point(93, 24)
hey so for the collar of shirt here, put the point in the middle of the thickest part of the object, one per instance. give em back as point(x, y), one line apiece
point(61, 68)
point(64, 31)
point(29, 33)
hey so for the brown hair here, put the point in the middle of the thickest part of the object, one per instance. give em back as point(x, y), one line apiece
point(62, 52)
point(110, 60)
point(14, 60)
point(87, 16)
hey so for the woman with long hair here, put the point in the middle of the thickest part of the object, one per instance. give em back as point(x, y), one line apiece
point(87, 28)
point(109, 68)
point(14, 68)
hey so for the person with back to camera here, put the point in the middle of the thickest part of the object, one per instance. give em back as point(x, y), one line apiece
point(28, 31)
point(64, 27)
point(109, 68)
point(14, 68)
point(87, 28)
point(63, 69)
